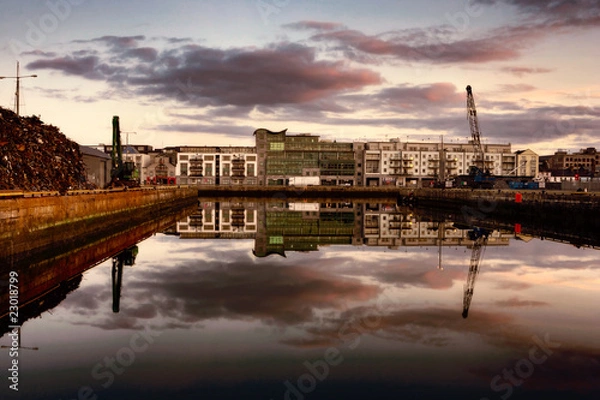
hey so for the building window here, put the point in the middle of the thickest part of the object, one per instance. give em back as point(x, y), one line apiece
point(250, 170)
point(208, 169)
point(277, 146)
point(184, 169)
point(226, 168)
point(276, 240)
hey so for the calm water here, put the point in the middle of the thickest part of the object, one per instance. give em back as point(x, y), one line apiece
point(318, 301)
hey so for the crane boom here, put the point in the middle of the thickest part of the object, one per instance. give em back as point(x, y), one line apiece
point(479, 237)
point(474, 126)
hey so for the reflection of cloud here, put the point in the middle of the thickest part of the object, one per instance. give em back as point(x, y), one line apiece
point(516, 302)
point(512, 285)
point(429, 326)
point(400, 272)
point(238, 290)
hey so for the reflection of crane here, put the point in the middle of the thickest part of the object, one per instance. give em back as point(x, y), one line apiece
point(479, 237)
point(126, 257)
point(474, 126)
point(19, 328)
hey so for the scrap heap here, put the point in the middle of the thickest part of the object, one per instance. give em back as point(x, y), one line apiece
point(37, 157)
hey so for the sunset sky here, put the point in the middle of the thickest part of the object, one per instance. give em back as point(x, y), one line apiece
point(211, 72)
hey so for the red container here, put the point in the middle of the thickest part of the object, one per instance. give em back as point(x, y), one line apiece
point(518, 197)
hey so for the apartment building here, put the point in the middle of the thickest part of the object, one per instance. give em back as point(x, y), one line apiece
point(214, 165)
point(282, 156)
point(584, 162)
point(420, 163)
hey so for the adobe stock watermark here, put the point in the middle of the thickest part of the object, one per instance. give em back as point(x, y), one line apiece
point(39, 28)
point(268, 8)
point(318, 370)
point(503, 384)
point(106, 370)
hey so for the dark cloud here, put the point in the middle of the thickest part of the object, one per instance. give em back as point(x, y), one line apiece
point(80, 66)
point(558, 13)
point(116, 42)
point(147, 54)
point(39, 53)
point(89, 67)
point(433, 45)
point(239, 290)
point(282, 73)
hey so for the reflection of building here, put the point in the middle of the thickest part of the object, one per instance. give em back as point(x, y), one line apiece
point(384, 225)
point(206, 165)
point(280, 227)
point(230, 220)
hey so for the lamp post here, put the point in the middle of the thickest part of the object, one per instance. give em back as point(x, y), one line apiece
point(18, 78)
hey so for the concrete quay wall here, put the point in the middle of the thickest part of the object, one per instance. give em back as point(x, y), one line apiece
point(38, 223)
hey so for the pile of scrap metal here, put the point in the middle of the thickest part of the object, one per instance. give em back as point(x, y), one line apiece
point(38, 157)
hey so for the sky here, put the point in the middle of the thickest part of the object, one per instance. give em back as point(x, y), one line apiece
point(211, 72)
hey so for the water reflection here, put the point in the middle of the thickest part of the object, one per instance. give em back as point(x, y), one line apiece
point(262, 300)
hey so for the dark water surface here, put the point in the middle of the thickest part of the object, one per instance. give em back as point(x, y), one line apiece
point(318, 301)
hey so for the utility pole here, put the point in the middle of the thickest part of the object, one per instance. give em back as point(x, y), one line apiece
point(18, 78)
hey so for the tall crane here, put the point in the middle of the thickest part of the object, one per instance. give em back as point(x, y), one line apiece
point(475, 132)
point(479, 237)
point(123, 173)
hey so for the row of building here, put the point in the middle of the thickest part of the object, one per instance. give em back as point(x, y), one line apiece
point(277, 157)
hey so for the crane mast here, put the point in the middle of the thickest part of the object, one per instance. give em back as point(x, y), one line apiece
point(474, 126)
point(479, 237)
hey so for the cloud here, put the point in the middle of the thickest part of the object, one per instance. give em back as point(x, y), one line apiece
point(279, 74)
point(81, 66)
point(431, 45)
point(314, 25)
point(558, 13)
point(522, 71)
point(517, 87)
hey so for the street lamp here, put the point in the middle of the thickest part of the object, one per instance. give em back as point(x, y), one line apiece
point(18, 78)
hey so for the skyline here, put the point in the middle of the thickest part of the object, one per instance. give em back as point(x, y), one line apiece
point(210, 73)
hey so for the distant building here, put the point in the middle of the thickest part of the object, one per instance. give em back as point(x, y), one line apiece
point(527, 163)
point(97, 166)
point(160, 170)
point(215, 165)
point(586, 162)
point(282, 156)
point(421, 163)
point(279, 158)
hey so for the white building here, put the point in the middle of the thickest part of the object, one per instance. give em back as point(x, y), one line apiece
point(417, 163)
point(216, 165)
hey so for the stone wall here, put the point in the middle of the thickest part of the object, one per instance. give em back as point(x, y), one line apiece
point(41, 223)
